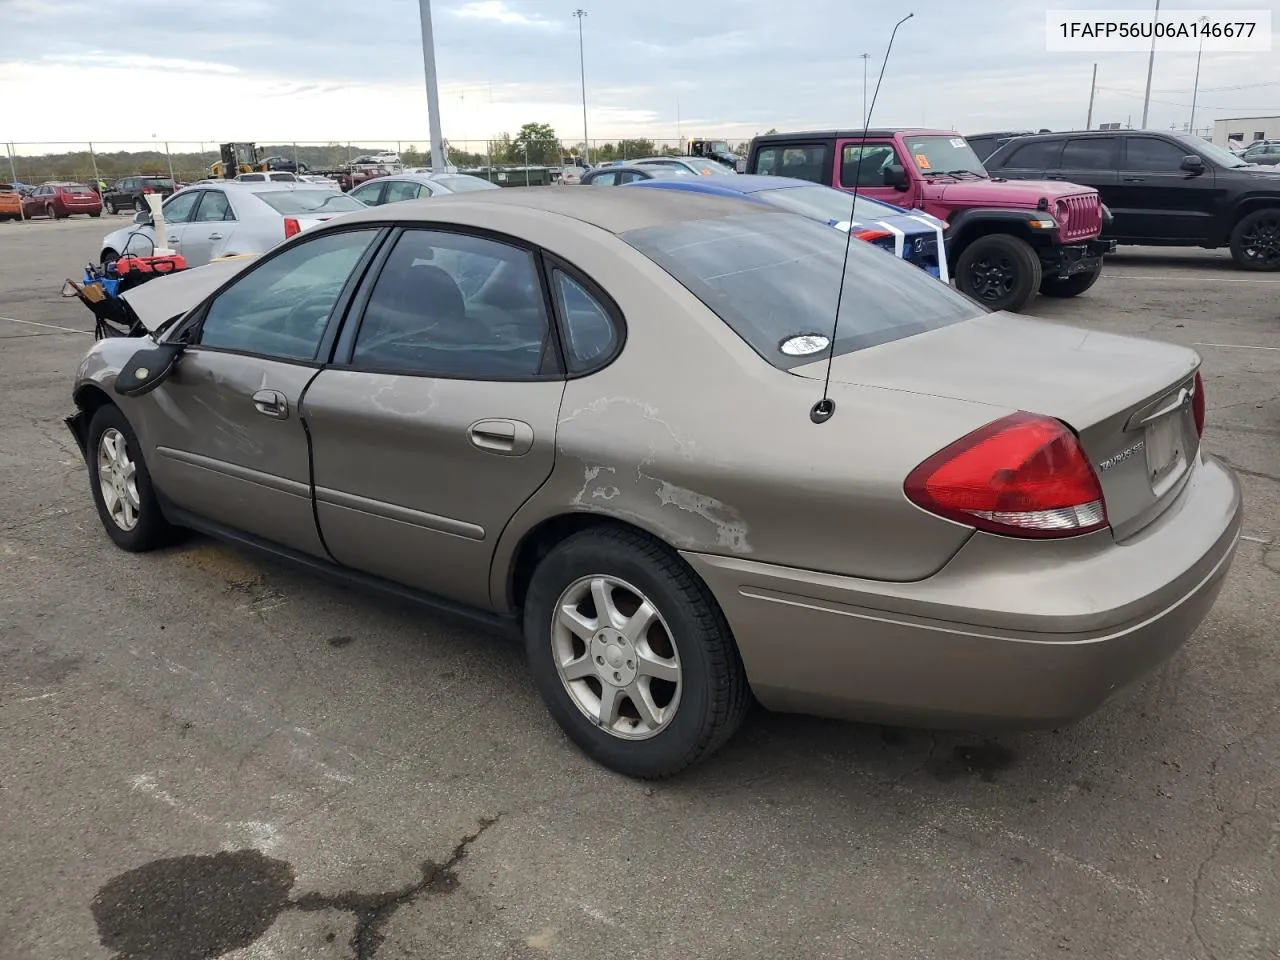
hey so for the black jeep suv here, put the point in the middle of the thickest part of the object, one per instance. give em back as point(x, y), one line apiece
point(127, 192)
point(1163, 189)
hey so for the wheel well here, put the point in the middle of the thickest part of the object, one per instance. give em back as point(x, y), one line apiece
point(91, 398)
point(1247, 207)
point(975, 230)
point(543, 538)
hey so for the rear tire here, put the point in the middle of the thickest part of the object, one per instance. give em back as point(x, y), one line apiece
point(51, 211)
point(110, 207)
point(683, 659)
point(1000, 271)
point(121, 484)
point(95, 214)
point(1073, 286)
point(1255, 241)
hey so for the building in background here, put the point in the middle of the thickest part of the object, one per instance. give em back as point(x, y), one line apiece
point(1242, 131)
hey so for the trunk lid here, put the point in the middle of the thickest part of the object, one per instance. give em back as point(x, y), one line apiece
point(1128, 400)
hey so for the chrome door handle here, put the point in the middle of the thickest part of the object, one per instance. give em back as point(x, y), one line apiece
point(271, 403)
point(1134, 179)
point(511, 438)
point(215, 236)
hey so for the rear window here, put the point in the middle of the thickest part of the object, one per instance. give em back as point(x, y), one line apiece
point(75, 188)
point(293, 202)
point(158, 183)
point(465, 184)
point(774, 278)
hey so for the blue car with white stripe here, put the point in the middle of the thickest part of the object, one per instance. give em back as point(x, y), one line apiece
point(913, 235)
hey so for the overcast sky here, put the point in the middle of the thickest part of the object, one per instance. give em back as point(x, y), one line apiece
point(307, 70)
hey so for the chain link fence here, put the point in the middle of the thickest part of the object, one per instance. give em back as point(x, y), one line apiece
point(505, 160)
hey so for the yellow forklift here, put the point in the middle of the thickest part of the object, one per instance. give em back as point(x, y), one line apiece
point(237, 158)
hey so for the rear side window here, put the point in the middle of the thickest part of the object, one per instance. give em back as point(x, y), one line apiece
point(590, 336)
point(1042, 155)
point(802, 161)
point(774, 278)
point(1092, 153)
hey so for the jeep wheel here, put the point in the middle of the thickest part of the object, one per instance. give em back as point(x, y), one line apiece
point(1073, 286)
point(1255, 242)
point(1000, 271)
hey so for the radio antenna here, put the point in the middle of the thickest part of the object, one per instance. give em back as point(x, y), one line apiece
point(821, 411)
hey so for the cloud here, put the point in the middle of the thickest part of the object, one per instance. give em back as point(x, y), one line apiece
point(141, 62)
point(495, 11)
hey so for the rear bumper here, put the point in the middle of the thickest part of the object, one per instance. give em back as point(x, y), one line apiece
point(1009, 634)
point(1066, 260)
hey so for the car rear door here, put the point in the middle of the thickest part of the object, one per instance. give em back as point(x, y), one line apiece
point(437, 419)
point(1092, 162)
point(1163, 202)
point(224, 433)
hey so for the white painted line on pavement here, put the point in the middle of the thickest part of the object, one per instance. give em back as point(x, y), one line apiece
point(1234, 346)
point(51, 326)
point(1190, 278)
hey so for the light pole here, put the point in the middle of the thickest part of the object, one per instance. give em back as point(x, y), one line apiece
point(1196, 89)
point(865, 58)
point(1151, 63)
point(582, 67)
point(433, 94)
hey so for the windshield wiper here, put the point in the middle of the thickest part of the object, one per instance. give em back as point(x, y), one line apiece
point(972, 173)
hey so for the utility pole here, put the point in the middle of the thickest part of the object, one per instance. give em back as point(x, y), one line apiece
point(582, 67)
point(1196, 89)
point(433, 94)
point(1093, 86)
point(865, 58)
point(1151, 63)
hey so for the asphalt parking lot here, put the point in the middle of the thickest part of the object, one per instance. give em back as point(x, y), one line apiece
point(204, 754)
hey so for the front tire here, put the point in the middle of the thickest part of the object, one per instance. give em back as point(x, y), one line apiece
point(121, 484)
point(1073, 286)
point(1255, 241)
point(1000, 271)
point(653, 683)
point(51, 211)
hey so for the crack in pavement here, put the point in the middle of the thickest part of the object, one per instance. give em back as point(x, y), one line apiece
point(374, 910)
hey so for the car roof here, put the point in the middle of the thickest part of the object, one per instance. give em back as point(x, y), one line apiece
point(873, 132)
point(616, 211)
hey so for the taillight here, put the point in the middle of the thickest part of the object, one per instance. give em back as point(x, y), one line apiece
point(291, 227)
point(871, 236)
point(1197, 405)
point(1023, 475)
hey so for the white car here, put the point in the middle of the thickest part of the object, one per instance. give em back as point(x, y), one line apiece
point(207, 221)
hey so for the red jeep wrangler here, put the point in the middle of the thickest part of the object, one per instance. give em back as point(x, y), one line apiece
point(1005, 239)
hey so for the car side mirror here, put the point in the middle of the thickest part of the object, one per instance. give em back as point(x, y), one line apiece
point(143, 218)
point(147, 369)
point(895, 176)
point(1192, 164)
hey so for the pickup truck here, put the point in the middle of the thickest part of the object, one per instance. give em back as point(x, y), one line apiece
point(1005, 240)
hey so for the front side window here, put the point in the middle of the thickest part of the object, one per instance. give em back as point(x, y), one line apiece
point(452, 305)
point(180, 208)
point(1091, 153)
point(281, 308)
point(775, 278)
point(864, 164)
point(604, 179)
point(590, 335)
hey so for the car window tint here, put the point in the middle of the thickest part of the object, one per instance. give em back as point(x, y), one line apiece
point(863, 165)
point(400, 190)
point(452, 305)
point(367, 193)
point(1092, 153)
point(214, 206)
point(1148, 153)
point(774, 278)
point(806, 162)
point(589, 333)
point(281, 308)
point(180, 208)
point(1041, 155)
point(604, 179)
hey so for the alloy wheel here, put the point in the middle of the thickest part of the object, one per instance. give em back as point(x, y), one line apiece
point(616, 657)
point(1261, 242)
point(117, 479)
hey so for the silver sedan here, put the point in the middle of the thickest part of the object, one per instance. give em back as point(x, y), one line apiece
point(413, 186)
point(211, 220)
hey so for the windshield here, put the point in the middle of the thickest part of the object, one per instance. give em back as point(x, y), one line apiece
point(935, 155)
point(293, 202)
point(773, 279)
point(826, 204)
point(1212, 152)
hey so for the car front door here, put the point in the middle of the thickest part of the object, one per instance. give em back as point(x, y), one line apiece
point(178, 212)
point(437, 419)
point(1161, 201)
point(224, 434)
point(210, 229)
point(863, 164)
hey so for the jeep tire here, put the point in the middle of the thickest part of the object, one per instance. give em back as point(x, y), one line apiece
point(1000, 271)
point(1255, 241)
